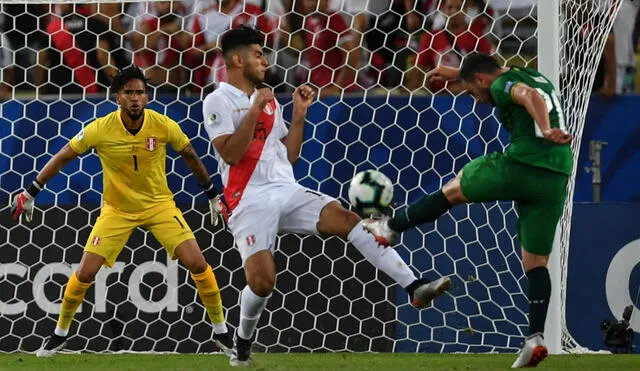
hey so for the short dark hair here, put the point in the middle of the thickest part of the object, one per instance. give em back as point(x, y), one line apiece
point(126, 74)
point(240, 37)
point(477, 63)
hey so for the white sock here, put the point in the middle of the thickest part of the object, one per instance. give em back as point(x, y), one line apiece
point(61, 331)
point(220, 328)
point(385, 259)
point(251, 307)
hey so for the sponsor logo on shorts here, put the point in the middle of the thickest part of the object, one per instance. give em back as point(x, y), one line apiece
point(251, 240)
point(152, 143)
point(95, 241)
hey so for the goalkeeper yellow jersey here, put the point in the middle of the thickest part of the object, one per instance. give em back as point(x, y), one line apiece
point(134, 166)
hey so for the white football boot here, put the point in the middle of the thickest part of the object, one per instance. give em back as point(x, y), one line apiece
point(533, 352)
point(379, 228)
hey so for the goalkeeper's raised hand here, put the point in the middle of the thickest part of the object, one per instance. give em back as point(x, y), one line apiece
point(22, 203)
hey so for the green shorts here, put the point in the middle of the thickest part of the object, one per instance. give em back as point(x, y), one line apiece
point(539, 195)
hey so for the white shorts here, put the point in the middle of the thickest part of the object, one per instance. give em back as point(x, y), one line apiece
point(261, 215)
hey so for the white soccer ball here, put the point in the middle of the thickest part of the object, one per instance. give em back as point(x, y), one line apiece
point(370, 192)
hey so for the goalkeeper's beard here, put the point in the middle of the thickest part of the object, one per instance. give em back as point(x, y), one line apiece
point(135, 117)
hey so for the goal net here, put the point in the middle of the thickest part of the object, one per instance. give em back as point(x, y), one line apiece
point(367, 59)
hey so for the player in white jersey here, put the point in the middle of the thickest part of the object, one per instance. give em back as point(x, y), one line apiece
point(255, 151)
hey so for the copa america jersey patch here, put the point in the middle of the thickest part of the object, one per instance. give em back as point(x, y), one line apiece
point(152, 144)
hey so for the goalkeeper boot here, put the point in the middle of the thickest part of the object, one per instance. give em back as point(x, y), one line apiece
point(53, 345)
point(379, 228)
point(242, 352)
point(224, 343)
point(533, 352)
point(423, 292)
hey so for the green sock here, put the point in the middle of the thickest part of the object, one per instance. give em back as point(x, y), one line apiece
point(539, 294)
point(425, 210)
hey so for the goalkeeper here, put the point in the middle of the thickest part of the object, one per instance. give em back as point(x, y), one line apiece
point(533, 172)
point(132, 146)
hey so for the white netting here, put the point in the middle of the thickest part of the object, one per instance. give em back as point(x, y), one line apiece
point(327, 297)
point(585, 26)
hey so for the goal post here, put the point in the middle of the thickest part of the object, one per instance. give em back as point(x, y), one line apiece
point(571, 40)
point(549, 65)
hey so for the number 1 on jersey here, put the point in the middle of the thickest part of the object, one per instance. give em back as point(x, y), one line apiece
point(135, 163)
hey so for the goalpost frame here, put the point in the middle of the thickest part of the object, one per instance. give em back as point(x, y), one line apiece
point(549, 65)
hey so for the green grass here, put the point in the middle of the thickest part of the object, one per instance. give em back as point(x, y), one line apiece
point(331, 361)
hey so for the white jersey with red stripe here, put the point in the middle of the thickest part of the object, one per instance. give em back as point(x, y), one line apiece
point(265, 162)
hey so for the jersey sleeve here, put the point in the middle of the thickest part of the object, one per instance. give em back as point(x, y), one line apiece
point(86, 138)
point(217, 117)
point(501, 91)
point(176, 138)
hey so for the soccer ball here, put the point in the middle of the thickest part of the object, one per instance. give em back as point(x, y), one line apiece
point(370, 192)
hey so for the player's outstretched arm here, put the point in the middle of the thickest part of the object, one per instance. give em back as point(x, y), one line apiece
point(192, 159)
point(302, 99)
point(535, 104)
point(22, 203)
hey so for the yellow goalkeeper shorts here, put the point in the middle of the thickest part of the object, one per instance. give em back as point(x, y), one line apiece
point(113, 228)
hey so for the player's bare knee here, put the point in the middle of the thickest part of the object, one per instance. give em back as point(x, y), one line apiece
point(85, 275)
point(531, 261)
point(350, 220)
point(262, 284)
point(197, 266)
point(336, 220)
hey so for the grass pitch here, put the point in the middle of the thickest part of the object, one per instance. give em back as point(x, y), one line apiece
point(328, 361)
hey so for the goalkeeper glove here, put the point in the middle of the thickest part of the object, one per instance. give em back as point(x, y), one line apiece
point(216, 206)
point(22, 203)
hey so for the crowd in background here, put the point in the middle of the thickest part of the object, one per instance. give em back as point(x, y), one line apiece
point(336, 45)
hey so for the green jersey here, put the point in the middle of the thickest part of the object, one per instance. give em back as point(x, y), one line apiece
point(527, 144)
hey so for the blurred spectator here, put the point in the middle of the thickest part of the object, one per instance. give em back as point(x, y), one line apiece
point(329, 43)
point(623, 28)
point(447, 47)
point(389, 36)
point(479, 16)
point(605, 79)
point(159, 28)
point(206, 28)
point(23, 35)
point(6, 68)
point(356, 15)
point(76, 65)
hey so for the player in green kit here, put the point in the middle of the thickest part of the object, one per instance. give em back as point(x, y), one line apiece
point(533, 171)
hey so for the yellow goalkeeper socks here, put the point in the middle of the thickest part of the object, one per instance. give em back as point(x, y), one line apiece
point(210, 296)
point(73, 297)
